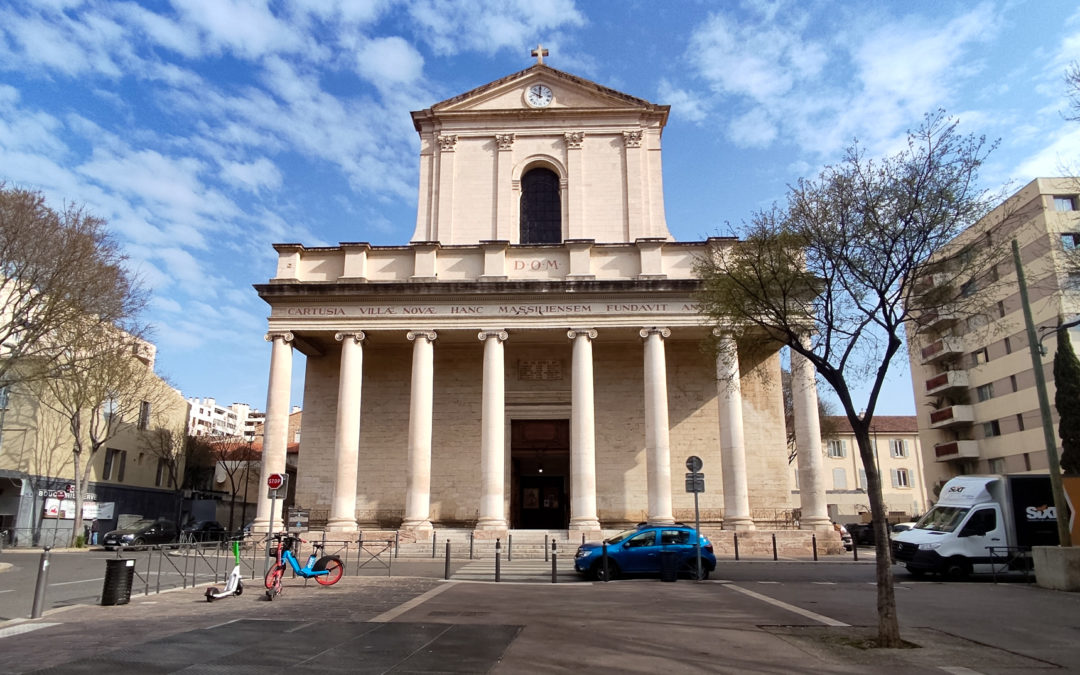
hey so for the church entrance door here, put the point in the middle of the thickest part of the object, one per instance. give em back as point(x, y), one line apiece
point(540, 474)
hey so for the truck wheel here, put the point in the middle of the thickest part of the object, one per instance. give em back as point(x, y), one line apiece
point(956, 569)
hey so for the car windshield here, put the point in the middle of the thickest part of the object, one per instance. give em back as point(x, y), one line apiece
point(617, 539)
point(140, 524)
point(942, 518)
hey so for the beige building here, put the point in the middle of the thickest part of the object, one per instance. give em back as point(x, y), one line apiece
point(974, 385)
point(135, 474)
point(898, 454)
point(533, 357)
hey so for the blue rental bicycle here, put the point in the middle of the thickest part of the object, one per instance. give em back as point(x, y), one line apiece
point(327, 570)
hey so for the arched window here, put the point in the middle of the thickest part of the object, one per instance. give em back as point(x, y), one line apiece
point(541, 208)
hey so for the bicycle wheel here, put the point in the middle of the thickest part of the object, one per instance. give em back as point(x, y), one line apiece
point(273, 577)
point(334, 570)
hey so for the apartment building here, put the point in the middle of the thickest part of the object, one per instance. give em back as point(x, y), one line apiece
point(976, 402)
point(898, 454)
point(208, 418)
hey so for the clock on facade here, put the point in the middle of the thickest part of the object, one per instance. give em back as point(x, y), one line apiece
point(538, 96)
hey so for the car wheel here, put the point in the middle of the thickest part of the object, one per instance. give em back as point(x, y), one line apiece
point(916, 573)
point(689, 568)
point(612, 571)
point(956, 569)
point(138, 541)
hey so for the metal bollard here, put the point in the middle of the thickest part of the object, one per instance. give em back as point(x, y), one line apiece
point(774, 546)
point(42, 583)
point(554, 562)
point(736, 546)
point(446, 568)
point(509, 547)
point(433, 541)
point(545, 548)
point(582, 538)
point(855, 549)
point(498, 569)
point(603, 558)
point(813, 542)
point(397, 547)
point(471, 536)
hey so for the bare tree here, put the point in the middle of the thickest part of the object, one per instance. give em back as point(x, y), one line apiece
point(1072, 87)
point(101, 389)
point(837, 272)
point(234, 457)
point(61, 274)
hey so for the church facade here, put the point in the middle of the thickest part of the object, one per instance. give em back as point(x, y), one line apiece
point(534, 358)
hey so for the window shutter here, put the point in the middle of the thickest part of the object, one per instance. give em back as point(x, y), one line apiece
point(895, 478)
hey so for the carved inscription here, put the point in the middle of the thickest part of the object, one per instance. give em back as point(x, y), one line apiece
point(539, 370)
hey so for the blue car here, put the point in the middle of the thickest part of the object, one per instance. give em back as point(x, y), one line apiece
point(642, 551)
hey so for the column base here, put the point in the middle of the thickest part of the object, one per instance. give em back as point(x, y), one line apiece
point(661, 521)
point(418, 526)
point(585, 525)
point(815, 523)
point(262, 526)
point(739, 524)
point(342, 525)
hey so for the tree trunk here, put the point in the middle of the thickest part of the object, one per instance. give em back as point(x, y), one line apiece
point(888, 621)
point(77, 525)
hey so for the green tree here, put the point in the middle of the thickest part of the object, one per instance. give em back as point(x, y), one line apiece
point(837, 272)
point(1067, 402)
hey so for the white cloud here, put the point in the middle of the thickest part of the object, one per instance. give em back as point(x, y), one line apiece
point(1060, 155)
point(389, 61)
point(684, 104)
point(252, 176)
point(753, 129)
point(450, 27)
point(246, 28)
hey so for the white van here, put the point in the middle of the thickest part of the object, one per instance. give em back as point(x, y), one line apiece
point(980, 524)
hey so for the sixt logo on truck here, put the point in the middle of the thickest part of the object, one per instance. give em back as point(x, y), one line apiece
point(1043, 512)
point(956, 489)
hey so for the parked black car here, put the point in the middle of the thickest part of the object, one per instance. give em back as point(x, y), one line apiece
point(141, 533)
point(862, 534)
point(204, 530)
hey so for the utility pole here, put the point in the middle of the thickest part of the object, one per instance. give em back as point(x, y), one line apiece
point(1060, 505)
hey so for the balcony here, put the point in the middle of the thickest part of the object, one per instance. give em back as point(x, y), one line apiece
point(938, 319)
point(953, 416)
point(943, 382)
point(942, 349)
point(943, 452)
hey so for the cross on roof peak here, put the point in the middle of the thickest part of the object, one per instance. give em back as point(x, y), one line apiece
point(539, 53)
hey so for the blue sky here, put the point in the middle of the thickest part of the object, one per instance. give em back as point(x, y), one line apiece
point(204, 131)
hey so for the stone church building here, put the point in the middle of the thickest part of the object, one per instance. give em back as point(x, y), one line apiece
point(533, 358)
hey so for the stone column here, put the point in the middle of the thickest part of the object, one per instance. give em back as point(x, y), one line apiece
point(492, 434)
point(347, 433)
point(657, 445)
point(815, 514)
point(275, 428)
point(418, 472)
point(582, 434)
point(505, 205)
point(732, 445)
point(634, 188)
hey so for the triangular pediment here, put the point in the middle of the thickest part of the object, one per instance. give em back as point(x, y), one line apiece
point(570, 92)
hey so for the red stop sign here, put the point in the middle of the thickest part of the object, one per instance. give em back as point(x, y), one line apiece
point(60, 494)
point(274, 481)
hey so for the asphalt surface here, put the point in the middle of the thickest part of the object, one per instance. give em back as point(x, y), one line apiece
point(751, 617)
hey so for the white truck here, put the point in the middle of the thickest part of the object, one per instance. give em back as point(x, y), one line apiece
point(980, 524)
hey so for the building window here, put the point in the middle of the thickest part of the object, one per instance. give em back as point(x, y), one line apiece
point(1012, 381)
point(541, 208)
point(1008, 346)
point(1027, 462)
point(1019, 421)
point(160, 477)
point(1070, 241)
point(997, 465)
point(900, 478)
point(979, 357)
point(898, 447)
point(1064, 203)
point(144, 415)
point(115, 461)
point(837, 449)
point(991, 429)
point(1001, 308)
point(839, 479)
point(862, 479)
point(967, 288)
point(985, 392)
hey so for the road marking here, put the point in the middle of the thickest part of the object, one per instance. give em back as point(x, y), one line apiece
point(24, 628)
point(791, 608)
point(11, 590)
point(960, 670)
point(768, 582)
point(394, 613)
point(824, 583)
point(83, 581)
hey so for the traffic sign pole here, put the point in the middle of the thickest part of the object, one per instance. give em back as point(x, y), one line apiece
point(695, 482)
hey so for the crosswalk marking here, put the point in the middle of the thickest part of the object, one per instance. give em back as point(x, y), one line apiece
point(22, 628)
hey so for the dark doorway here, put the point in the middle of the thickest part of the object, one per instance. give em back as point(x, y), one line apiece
point(541, 208)
point(540, 474)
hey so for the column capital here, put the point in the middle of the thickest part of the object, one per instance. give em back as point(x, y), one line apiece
point(428, 335)
point(357, 336)
point(505, 141)
point(651, 330)
point(589, 333)
point(500, 335)
point(286, 336)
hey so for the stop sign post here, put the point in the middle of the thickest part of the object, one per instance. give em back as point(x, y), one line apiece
point(277, 483)
point(695, 482)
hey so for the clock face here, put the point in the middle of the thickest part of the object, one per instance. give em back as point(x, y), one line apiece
point(538, 96)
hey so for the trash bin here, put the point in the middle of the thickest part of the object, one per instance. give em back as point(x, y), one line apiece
point(119, 573)
point(669, 566)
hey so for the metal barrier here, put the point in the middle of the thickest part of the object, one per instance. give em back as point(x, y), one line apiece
point(1007, 556)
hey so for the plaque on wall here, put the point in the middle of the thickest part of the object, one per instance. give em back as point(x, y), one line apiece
point(538, 369)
